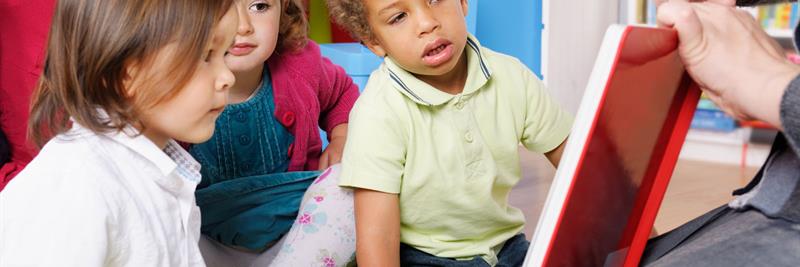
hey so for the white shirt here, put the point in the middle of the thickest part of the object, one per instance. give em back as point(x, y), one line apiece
point(110, 199)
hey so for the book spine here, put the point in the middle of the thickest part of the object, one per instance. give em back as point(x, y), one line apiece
point(786, 12)
point(711, 119)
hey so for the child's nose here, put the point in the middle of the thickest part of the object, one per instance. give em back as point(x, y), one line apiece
point(427, 21)
point(245, 26)
point(225, 80)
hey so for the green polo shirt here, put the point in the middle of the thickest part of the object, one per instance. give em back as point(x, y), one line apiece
point(452, 159)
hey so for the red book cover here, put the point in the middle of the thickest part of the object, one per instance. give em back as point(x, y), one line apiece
point(620, 155)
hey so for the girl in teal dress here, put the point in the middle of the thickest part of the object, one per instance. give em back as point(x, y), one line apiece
point(269, 193)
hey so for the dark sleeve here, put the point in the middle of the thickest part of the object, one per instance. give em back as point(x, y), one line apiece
point(5, 149)
point(790, 114)
point(760, 2)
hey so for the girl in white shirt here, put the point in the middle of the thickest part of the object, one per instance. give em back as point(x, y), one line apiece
point(123, 80)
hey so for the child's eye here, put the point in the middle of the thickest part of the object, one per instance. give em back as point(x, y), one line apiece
point(397, 18)
point(434, 2)
point(259, 7)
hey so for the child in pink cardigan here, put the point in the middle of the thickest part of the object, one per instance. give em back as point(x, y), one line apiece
point(262, 198)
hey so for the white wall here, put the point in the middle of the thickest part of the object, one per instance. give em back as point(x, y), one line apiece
point(572, 34)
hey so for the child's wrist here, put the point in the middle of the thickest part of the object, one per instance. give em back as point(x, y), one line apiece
point(338, 132)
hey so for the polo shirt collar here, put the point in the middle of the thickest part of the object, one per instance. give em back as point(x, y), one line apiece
point(478, 74)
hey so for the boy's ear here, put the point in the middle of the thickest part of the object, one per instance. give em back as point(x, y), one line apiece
point(375, 47)
point(465, 7)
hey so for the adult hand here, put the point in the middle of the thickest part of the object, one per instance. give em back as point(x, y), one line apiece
point(737, 64)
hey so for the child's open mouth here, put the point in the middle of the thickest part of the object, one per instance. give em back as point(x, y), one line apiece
point(438, 52)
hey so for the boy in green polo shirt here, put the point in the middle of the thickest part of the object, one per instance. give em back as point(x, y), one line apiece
point(433, 139)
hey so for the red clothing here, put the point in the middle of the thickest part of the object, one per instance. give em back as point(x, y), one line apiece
point(24, 25)
point(310, 93)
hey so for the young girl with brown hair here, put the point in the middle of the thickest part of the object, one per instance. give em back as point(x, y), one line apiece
point(263, 200)
point(123, 81)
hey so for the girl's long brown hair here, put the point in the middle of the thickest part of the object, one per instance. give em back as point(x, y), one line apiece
point(293, 29)
point(92, 47)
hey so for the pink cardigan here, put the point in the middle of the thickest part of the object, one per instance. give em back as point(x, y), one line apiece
point(310, 93)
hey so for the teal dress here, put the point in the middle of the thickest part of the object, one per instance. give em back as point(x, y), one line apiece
point(247, 198)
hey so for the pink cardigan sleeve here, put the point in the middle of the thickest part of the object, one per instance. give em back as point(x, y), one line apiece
point(337, 95)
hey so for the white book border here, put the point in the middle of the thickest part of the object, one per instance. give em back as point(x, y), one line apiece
point(585, 117)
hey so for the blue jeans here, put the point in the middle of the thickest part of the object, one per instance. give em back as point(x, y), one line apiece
point(512, 255)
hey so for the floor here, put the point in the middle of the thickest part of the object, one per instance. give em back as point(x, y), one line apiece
point(695, 188)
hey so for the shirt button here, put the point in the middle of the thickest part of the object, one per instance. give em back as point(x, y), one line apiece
point(244, 140)
point(468, 137)
point(460, 105)
point(288, 119)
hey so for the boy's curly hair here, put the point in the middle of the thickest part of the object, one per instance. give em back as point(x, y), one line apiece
point(293, 29)
point(352, 15)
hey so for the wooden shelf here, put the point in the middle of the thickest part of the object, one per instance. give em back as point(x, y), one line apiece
point(780, 33)
point(724, 147)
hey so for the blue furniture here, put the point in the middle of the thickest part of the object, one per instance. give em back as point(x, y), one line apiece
point(355, 58)
point(512, 27)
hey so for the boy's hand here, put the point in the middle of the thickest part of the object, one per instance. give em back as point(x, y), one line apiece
point(377, 228)
point(333, 153)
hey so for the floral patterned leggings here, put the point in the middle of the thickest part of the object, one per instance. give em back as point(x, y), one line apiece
point(323, 234)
